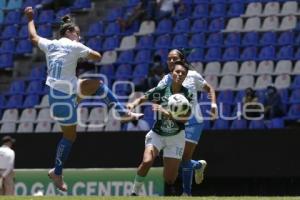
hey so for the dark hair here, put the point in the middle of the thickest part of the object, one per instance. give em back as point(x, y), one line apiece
point(182, 63)
point(180, 53)
point(66, 24)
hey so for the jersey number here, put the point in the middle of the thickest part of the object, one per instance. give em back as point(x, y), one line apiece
point(55, 68)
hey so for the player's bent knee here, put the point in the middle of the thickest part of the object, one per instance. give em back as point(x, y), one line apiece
point(170, 180)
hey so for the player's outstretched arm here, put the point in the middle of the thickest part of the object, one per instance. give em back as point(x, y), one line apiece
point(34, 37)
point(95, 56)
point(137, 102)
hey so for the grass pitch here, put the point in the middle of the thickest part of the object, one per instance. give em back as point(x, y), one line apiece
point(145, 198)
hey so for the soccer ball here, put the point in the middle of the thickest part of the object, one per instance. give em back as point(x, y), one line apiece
point(178, 105)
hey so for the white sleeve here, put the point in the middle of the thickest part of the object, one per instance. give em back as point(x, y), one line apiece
point(82, 50)
point(43, 44)
point(199, 80)
point(10, 164)
point(165, 80)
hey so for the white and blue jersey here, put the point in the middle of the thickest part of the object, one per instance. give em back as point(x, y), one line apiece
point(62, 56)
point(194, 82)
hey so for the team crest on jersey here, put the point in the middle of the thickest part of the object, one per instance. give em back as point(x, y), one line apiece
point(52, 48)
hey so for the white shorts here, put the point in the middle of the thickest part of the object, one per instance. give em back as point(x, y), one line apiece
point(173, 146)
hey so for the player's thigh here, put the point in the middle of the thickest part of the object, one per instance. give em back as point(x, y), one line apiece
point(69, 132)
point(150, 153)
point(88, 87)
point(188, 150)
point(154, 142)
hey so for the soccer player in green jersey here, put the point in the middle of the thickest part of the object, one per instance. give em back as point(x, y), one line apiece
point(167, 133)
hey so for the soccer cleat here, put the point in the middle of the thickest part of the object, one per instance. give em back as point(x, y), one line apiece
point(133, 194)
point(199, 173)
point(131, 116)
point(57, 180)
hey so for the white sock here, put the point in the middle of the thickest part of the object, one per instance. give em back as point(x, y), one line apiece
point(138, 183)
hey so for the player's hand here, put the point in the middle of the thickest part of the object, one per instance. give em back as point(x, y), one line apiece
point(29, 13)
point(214, 112)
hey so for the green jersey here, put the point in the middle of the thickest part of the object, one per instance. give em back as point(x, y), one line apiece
point(160, 95)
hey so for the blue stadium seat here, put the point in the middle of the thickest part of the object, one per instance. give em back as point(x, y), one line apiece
point(15, 101)
point(131, 3)
point(141, 71)
point(285, 53)
point(268, 38)
point(164, 26)
point(31, 101)
point(110, 43)
point(286, 38)
point(199, 25)
point(60, 13)
point(249, 53)
point(7, 46)
point(276, 123)
point(163, 42)
point(201, 10)
point(9, 32)
point(257, 124)
point(23, 32)
point(236, 9)
point(201, 1)
point(125, 57)
point(17, 88)
point(143, 56)
point(296, 82)
point(216, 25)
point(14, 4)
point(46, 16)
point(239, 124)
point(189, 2)
point(221, 124)
point(180, 41)
point(163, 53)
point(123, 71)
point(196, 55)
point(38, 73)
point(182, 26)
point(218, 10)
point(112, 28)
point(233, 39)
point(95, 43)
point(197, 40)
point(95, 29)
point(294, 112)
point(6, 61)
point(12, 17)
point(114, 14)
point(108, 71)
point(239, 96)
point(297, 54)
point(284, 94)
point(250, 39)
point(295, 96)
point(1, 16)
point(81, 4)
point(35, 87)
point(226, 97)
point(267, 53)
point(145, 42)
point(2, 102)
point(23, 47)
point(206, 125)
point(215, 40)
point(31, 3)
point(224, 110)
point(45, 31)
point(2, 4)
point(213, 54)
point(231, 53)
point(183, 12)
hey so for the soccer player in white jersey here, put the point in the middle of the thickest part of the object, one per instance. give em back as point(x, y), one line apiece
point(195, 82)
point(62, 56)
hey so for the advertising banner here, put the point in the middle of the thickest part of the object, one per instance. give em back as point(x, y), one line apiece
point(86, 182)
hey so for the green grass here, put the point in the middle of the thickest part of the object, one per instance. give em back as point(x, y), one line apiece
point(146, 198)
